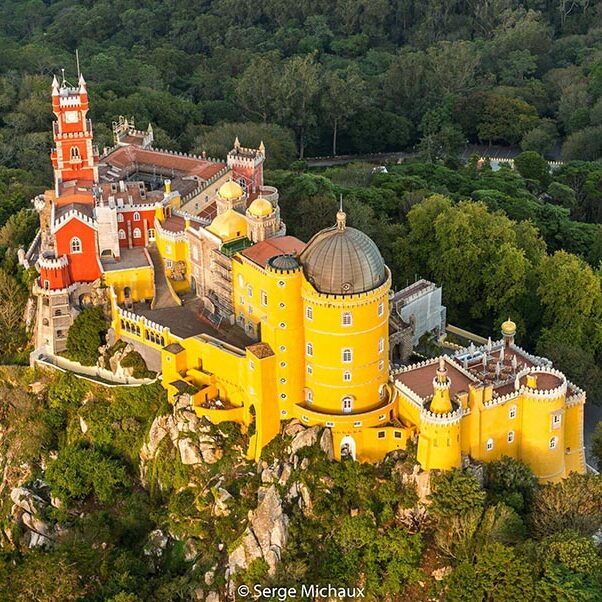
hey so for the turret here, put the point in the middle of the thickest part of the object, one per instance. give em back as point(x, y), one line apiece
point(441, 402)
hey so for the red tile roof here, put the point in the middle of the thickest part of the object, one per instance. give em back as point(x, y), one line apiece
point(261, 252)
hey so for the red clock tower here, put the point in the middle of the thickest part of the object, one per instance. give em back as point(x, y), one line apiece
point(74, 159)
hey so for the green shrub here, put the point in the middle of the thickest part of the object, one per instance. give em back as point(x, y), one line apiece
point(86, 335)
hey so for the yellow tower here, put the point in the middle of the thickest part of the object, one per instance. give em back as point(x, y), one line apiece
point(543, 444)
point(439, 445)
point(345, 321)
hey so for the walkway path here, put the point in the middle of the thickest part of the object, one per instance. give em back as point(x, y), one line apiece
point(164, 295)
point(95, 374)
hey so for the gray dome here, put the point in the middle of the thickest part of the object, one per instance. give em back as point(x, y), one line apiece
point(342, 260)
point(284, 262)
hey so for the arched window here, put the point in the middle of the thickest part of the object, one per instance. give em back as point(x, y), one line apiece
point(347, 355)
point(510, 436)
point(381, 345)
point(347, 376)
point(136, 216)
point(553, 442)
point(75, 153)
point(120, 217)
point(347, 403)
point(489, 444)
point(76, 245)
point(512, 412)
point(151, 234)
point(346, 318)
point(309, 349)
point(121, 234)
point(309, 395)
point(381, 309)
point(137, 233)
point(309, 313)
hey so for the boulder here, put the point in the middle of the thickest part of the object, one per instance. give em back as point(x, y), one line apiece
point(285, 475)
point(83, 425)
point(212, 597)
point(156, 543)
point(326, 443)
point(305, 499)
point(293, 427)
point(222, 501)
point(189, 452)
point(304, 438)
point(27, 500)
point(266, 535)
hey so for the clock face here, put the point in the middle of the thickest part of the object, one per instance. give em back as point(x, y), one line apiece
point(71, 117)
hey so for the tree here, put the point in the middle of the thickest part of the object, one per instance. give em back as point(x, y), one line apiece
point(597, 445)
point(78, 472)
point(533, 166)
point(257, 88)
point(86, 335)
point(574, 503)
point(441, 137)
point(343, 94)
point(297, 93)
point(454, 493)
point(512, 482)
point(12, 307)
point(585, 144)
point(542, 139)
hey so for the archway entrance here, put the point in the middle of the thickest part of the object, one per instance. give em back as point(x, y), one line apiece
point(348, 447)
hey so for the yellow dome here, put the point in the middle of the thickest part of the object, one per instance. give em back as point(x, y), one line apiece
point(509, 327)
point(260, 208)
point(229, 225)
point(231, 191)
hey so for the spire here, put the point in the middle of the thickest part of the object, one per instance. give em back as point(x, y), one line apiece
point(262, 148)
point(63, 82)
point(341, 215)
point(55, 86)
point(441, 402)
point(236, 143)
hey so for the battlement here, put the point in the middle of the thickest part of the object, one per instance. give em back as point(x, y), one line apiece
point(53, 263)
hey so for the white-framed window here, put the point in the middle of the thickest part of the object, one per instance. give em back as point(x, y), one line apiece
point(241, 282)
point(310, 369)
point(381, 434)
point(264, 298)
point(281, 283)
point(381, 344)
point(381, 309)
point(556, 421)
point(347, 355)
point(489, 444)
point(137, 233)
point(249, 290)
point(121, 234)
point(151, 236)
point(168, 264)
point(357, 424)
point(309, 312)
point(241, 300)
point(512, 412)
point(347, 403)
point(75, 153)
point(553, 442)
point(346, 318)
point(309, 349)
point(346, 376)
point(510, 436)
point(309, 395)
point(75, 245)
point(250, 312)
point(381, 365)
point(120, 217)
point(382, 391)
point(136, 216)
point(168, 249)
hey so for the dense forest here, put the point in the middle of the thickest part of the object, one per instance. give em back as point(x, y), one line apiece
point(352, 76)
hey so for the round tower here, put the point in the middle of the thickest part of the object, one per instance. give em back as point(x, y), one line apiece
point(345, 321)
point(439, 444)
point(282, 328)
point(263, 219)
point(543, 393)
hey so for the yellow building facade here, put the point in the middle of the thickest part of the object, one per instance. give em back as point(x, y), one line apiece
point(316, 317)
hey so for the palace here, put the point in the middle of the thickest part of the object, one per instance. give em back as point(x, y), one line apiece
point(248, 324)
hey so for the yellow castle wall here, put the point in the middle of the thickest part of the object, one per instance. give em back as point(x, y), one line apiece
point(139, 281)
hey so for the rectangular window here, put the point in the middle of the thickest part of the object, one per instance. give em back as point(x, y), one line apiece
point(309, 349)
point(347, 319)
point(264, 298)
point(397, 435)
point(381, 434)
point(556, 420)
point(381, 309)
point(381, 345)
point(381, 365)
point(310, 370)
point(510, 436)
point(347, 355)
point(512, 413)
point(249, 290)
point(309, 313)
point(347, 376)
